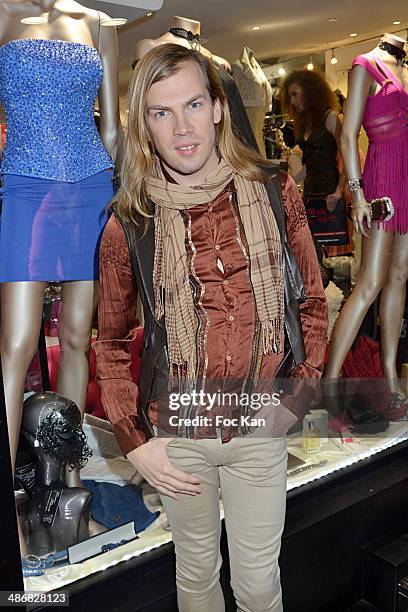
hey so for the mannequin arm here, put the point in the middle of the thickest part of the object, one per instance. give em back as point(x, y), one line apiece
point(359, 85)
point(109, 91)
point(117, 322)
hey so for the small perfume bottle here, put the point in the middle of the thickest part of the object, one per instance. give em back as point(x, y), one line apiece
point(311, 437)
point(321, 419)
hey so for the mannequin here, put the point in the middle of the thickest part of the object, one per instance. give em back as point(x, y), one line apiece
point(255, 90)
point(52, 426)
point(181, 23)
point(71, 33)
point(385, 245)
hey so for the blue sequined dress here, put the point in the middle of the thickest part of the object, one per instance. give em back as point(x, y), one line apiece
point(56, 174)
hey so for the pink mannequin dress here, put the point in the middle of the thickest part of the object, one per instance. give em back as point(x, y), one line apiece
point(386, 123)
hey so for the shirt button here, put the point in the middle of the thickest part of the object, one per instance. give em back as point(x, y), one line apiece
point(229, 357)
point(217, 247)
point(210, 209)
point(230, 318)
point(225, 282)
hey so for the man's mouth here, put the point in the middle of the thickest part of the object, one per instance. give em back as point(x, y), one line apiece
point(187, 149)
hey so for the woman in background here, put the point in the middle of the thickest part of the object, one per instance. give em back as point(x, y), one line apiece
point(309, 101)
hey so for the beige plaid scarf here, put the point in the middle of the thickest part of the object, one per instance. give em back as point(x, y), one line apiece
point(173, 295)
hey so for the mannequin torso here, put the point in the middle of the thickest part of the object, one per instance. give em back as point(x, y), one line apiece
point(398, 68)
point(189, 25)
point(69, 21)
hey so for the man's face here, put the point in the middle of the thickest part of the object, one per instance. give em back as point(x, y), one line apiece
point(181, 119)
point(296, 97)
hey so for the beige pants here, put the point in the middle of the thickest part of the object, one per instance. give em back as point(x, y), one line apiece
point(251, 474)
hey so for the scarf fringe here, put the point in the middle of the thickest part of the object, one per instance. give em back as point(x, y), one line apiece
point(185, 371)
point(271, 335)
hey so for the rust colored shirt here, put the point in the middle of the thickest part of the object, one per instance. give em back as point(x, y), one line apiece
point(228, 346)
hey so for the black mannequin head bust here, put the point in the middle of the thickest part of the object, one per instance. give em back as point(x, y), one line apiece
point(58, 515)
point(52, 426)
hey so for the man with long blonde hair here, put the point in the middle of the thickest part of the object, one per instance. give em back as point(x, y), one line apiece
point(195, 236)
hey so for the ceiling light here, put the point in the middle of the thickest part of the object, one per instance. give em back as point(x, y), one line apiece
point(310, 65)
point(256, 28)
point(282, 71)
point(396, 22)
point(334, 59)
point(353, 34)
point(34, 20)
point(113, 21)
point(332, 19)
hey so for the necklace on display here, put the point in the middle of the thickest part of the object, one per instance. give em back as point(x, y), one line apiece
point(193, 39)
point(392, 50)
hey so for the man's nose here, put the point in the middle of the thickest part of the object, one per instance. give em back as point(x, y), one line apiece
point(182, 125)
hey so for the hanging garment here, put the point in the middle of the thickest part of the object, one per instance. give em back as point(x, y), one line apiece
point(251, 80)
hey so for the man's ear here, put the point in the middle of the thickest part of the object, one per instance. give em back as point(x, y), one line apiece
point(217, 111)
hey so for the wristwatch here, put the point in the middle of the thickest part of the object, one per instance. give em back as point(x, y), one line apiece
point(355, 184)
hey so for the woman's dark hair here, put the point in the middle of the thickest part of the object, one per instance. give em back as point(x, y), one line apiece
point(341, 100)
point(319, 98)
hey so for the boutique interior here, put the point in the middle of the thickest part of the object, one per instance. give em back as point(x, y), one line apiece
point(116, 550)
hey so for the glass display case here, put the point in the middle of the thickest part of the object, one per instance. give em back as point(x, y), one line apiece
point(322, 484)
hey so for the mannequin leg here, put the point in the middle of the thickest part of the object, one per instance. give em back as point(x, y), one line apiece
point(21, 314)
point(392, 309)
point(375, 263)
point(78, 307)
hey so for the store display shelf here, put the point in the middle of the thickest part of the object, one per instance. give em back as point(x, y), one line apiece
point(340, 456)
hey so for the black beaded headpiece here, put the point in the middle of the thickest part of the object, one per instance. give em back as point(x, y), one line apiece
point(193, 39)
point(392, 49)
point(60, 436)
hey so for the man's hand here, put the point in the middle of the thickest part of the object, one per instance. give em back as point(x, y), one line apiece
point(152, 462)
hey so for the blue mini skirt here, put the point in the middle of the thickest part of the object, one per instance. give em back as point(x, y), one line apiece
point(50, 230)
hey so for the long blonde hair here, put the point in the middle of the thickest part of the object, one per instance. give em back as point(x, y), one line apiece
point(163, 61)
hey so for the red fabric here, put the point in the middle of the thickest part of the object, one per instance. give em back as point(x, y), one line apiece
point(364, 360)
point(93, 400)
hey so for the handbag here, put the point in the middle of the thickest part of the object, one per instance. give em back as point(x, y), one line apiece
point(382, 209)
point(327, 227)
point(294, 289)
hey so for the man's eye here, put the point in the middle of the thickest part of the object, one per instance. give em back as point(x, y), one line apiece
point(195, 105)
point(160, 114)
